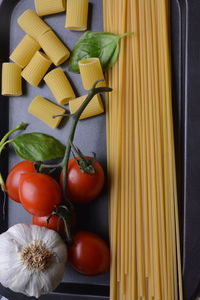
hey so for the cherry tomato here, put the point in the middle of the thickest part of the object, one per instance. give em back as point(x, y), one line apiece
point(82, 187)
point(39, 193)
point(12, 181)
point(53, 223)
point(89, 254)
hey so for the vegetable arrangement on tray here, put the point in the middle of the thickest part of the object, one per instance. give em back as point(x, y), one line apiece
point(38, 252)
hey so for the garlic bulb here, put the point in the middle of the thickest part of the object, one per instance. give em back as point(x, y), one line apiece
point(32, 259)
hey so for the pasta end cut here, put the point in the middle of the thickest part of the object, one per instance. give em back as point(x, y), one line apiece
point(18, 63)
point(94, 108)
point(76, 28)
point(44, 110)
point(63, 59)
point(65, 101)
point(10, 94)
point(49, 7)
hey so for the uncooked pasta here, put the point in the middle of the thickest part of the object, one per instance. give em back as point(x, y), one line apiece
point(144, 225)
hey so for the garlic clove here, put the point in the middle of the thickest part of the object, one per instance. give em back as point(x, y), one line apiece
point(35, 287)
point(20, 234)
point(19, 280)
point(8, 255)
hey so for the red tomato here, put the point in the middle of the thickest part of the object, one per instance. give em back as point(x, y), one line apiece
point(53, 223)
point(89, 254)
point(82, 187)
point(39, 193)
point(12, 181)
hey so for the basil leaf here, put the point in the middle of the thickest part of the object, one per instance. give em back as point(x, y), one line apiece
point(103, 45)
point(113, 58)
point(37, 146)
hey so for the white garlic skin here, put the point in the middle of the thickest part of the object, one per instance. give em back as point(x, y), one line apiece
point(15, 275)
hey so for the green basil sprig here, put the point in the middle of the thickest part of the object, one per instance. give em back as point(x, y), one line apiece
point(37, 146)
point(33, 146)
point(103, 45)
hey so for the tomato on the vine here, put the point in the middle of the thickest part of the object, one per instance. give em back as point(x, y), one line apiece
point(53, 222)
point(84, 187)
point(89, 254)
point(39, 193)
point(12, 181)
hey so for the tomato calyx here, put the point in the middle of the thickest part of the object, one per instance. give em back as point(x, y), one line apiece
point(85, 163)
point(64, 214)
point(47, 171)
point(37, 165)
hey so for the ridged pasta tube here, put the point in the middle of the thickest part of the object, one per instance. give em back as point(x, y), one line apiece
point(91, 71)
point(59, 86)
point(24, 51)
point(77, 15)
point(36, 69)
point(54, 48)
point(49, 7)
point(95, 107)
point(11, 80)
point(32, 24)
point(44, 110)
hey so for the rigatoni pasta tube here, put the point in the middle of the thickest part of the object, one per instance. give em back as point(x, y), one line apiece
point(11, 80)
point(95, 107)
point(54, 48)
point(36, 69)
point(77, 14)
point(44, 110)
point(91, 71)
point(49, 7)
point(59, 86)
point(24, 51)
point(32, 24)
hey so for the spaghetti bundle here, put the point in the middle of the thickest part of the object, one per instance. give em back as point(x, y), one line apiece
point(144, 225)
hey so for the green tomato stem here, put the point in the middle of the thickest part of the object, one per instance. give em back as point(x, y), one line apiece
point(4, 142)
point(3, 188)
point(74, 120)
point(44, 166)
point(2, 183)
point(21, 126)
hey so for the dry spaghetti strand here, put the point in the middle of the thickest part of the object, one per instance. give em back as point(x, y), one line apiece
point(144, 231)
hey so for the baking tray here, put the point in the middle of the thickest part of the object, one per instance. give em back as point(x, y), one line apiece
point(90, 137)
point(185, 54)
